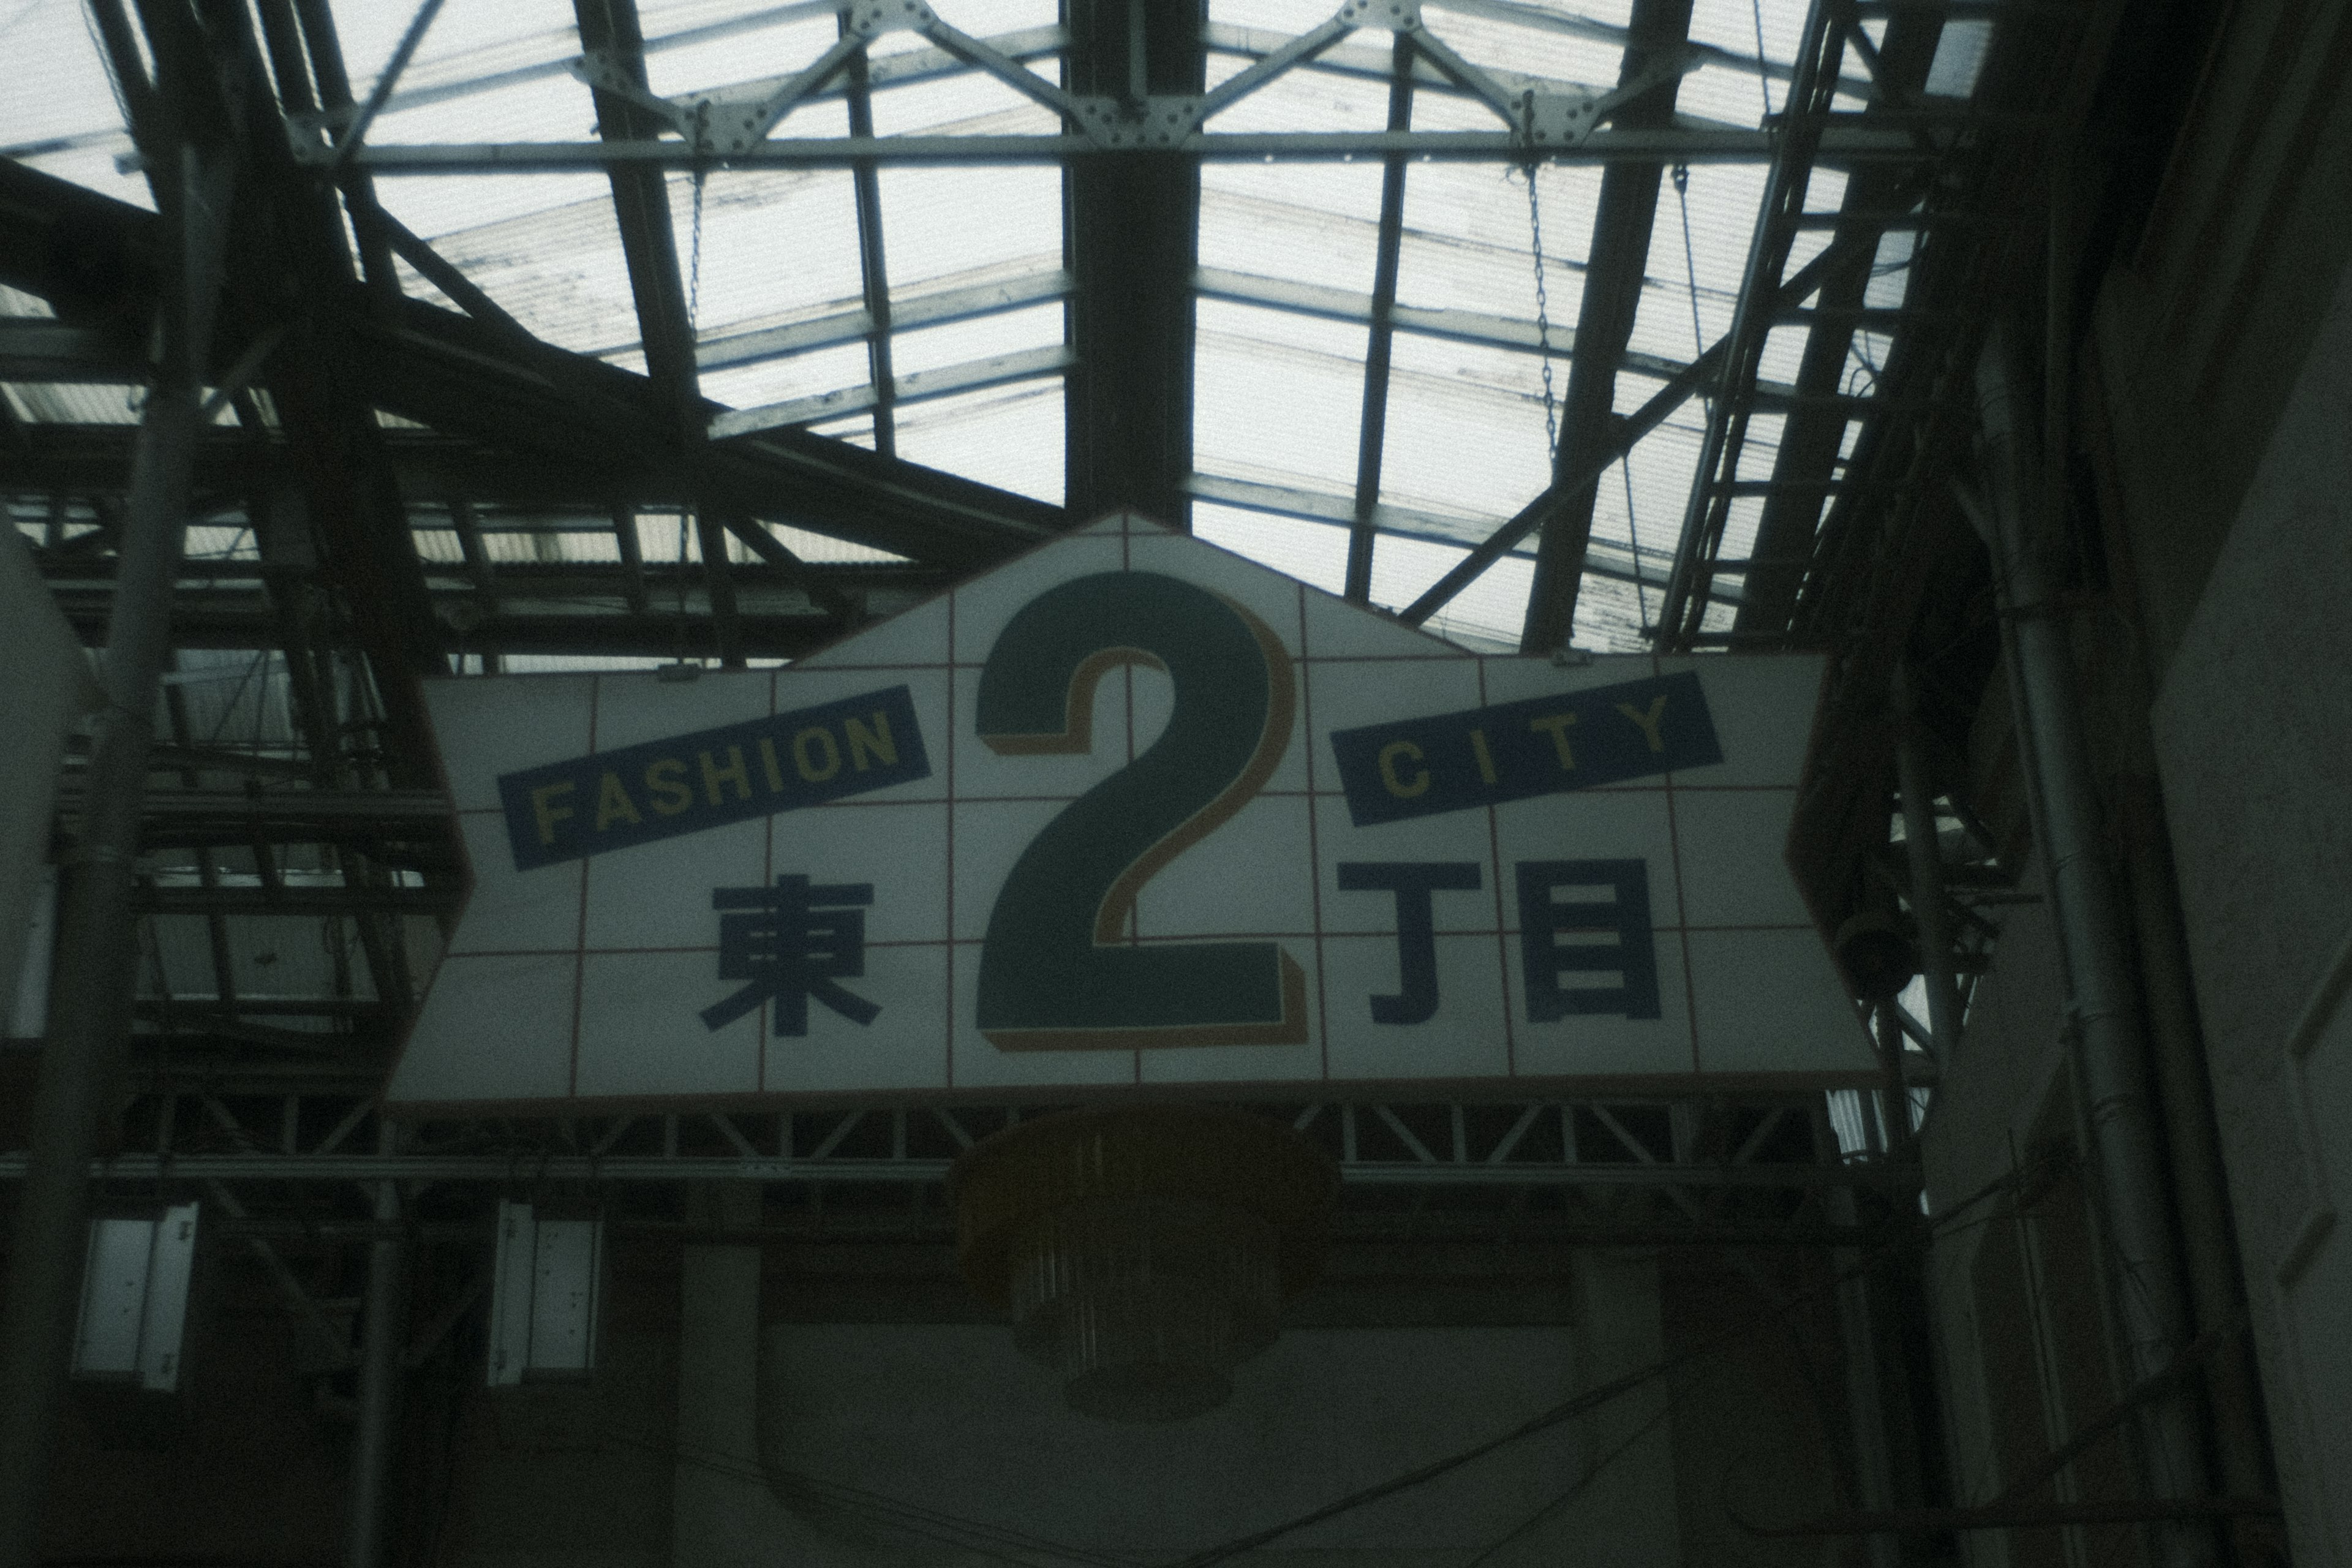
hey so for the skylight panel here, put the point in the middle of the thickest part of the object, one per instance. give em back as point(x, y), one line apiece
point(68, 125)
point(940, 223)
point(463, 43)
point(1312, 224)
point(1959, 58)
point(1267, 406)
point(1727, 94)
point(1467, 239)
point(1732, 26)
point(1610, 615)
point(1009, 437)
point(774, 243)
point(1509, 39)
point(983, 17)
point(965, 101)
point(559, 271)
point(1315, 554)
point(980, 337)
point(1487, 614)
point(1660, 467)
point(1466, 428)
point(809, 375)
point(1279, 16)
point(773, 44)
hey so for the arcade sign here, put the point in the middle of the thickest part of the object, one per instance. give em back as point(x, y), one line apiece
point(1129, 815)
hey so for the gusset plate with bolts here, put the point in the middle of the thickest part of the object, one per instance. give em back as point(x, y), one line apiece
point(1394, 15)
point(1552, 120)
point(603, 70)
point(1556, 119)
point(1119, 123)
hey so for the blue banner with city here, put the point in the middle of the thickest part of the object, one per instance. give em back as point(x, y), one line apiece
point(1513, 751)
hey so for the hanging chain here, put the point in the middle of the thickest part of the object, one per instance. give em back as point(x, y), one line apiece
point(1690, 257)
point(1543, 318)
point(694, 267)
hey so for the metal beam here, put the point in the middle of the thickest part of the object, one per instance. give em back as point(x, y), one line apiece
point(1380, 337)
point(1131, 236)
point(1814, 432)
point(609, 30)
point(1839, 146)
point(873, 266)
point(1616, 268)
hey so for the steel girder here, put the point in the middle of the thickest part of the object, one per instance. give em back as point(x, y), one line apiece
point(1130, 233)
point(1616, 268)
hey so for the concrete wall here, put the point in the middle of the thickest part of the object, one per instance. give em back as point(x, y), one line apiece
point(2254, 735)
point(804, 1443)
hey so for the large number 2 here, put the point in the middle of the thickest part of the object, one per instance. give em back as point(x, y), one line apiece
point(1055, 973)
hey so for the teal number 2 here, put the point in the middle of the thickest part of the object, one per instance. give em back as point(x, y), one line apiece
point(1055, 973)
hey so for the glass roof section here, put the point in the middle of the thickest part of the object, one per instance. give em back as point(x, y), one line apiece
point(943, 335)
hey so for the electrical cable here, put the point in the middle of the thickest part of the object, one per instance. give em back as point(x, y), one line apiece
point(1591, 1473)
point(1589, 1399)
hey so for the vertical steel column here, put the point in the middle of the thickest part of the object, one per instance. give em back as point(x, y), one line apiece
point(2102, 999)
point(1131, 240)
point(380, 1353)
point(1927, 858)
point(89, 1009)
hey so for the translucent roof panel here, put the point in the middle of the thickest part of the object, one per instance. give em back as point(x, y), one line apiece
point(1277, 397)
point(1010, 437)
point(70, 125)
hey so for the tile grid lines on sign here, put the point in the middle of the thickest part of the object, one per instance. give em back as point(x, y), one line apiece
point(1502, 941)
point(1681, 906)
point(1314, 849)
point(946, 1040)
point(767, 879)
point(1663, 785)
point(613, 712)
point(587, 869)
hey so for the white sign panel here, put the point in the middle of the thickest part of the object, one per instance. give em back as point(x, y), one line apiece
point(1129, 815)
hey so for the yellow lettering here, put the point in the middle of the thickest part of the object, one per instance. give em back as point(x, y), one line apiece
point(879, 741)
point(543, 803)
point(667, 782)
point(1485, 758)
point(807, 765)
point(768, 765)
point(613, 804)
point(1402, 788)
point(1648, 722)
point(1556, 726)
point(712, 776)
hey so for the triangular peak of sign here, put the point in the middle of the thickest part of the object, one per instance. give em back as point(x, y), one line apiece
point(1311, 623)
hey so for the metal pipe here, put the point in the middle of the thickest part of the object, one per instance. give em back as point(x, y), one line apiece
point(1873, 1477)
point(382, 1342)
point(89, 1015)
point(2107, 1038)
point(1921, 845)
point(2200, 1184)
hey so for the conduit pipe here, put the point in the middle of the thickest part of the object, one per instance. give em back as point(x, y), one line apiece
point(1921, 845)
point(2102, 999)
point(89, 1009)
point(381, 1344)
